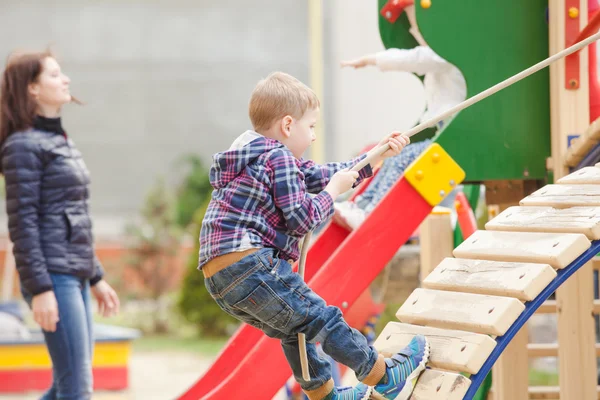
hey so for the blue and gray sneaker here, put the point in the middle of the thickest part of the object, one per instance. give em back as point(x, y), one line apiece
point(403, 370)
point(360, 392)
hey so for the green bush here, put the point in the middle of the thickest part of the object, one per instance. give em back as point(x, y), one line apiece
point(195, 303)
point(153, 243)
point(193, 191)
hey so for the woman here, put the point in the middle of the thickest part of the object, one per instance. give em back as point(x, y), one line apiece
point(47, 191)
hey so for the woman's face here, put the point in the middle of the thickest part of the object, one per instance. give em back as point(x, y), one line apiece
point(52, 86)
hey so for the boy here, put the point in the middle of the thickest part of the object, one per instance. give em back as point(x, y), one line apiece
point(259, 211)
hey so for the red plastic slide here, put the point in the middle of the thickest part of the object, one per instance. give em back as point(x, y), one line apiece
point(466, 216)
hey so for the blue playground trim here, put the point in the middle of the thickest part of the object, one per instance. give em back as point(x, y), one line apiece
point(530, 308)
point(590, 159)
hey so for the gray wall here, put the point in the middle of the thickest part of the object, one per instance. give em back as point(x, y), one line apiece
point(160, 79)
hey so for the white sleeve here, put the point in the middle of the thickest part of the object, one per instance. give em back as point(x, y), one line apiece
point(419, 60)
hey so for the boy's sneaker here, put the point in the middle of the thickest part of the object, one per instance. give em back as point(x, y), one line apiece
point(403, 370)
point(360, 392)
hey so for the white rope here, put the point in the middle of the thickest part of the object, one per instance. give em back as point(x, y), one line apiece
point(486, 93)
point(424, 125)
point(301, 336)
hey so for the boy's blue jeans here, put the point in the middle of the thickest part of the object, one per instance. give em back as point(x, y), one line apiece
point(71, 345)
point(262, 291)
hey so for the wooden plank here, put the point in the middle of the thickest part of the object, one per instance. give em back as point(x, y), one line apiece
point(436, 240)
point(556, 249)
point(582, 145)
point(510, 378)
point(564, 196)
point(585, 220)
point(577, 336)
point(537, 350)
point(434, 384)
point(569, 114)
point(521, 280)
point(502, 192)
point(550, 307)
point(569, 109)
point(492, 315)
point(544, 393)
point(584, 176)
point(548, 393)
point(450, 350)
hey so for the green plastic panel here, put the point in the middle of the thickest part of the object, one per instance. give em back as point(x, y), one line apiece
point(506, 136)
point(395, 35)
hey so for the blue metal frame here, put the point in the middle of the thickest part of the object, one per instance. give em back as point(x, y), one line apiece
point(530, 308)
point(590, 159)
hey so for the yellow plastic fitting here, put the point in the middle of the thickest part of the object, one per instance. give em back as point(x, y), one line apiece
point(434, 174)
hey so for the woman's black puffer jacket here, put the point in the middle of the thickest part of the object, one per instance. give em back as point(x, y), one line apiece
point(47, 193)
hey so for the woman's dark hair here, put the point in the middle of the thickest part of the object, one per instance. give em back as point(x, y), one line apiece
point(17, 106)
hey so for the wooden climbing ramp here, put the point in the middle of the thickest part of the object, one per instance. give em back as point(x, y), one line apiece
point(471, 306)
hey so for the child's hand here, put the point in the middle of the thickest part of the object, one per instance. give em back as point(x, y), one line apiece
point(397, 142)
point(359, 62)
point(341, 182)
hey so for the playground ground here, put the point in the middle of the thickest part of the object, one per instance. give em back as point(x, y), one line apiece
point(160, 375)
point(154, 375)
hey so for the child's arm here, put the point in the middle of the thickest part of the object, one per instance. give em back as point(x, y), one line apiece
point(419, 60)
point(317, 176)
point(302, 212)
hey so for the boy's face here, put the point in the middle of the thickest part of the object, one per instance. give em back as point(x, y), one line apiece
point(301, 132)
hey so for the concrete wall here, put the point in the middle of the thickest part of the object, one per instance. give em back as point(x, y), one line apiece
point(160, 78)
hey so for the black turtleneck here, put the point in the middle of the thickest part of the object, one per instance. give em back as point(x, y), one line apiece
point(48, 125)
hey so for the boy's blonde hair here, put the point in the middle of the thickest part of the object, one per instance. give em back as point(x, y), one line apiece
point(279, 95)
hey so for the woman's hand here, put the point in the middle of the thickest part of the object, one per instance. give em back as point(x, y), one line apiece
point(108, 301)
point(45, 310)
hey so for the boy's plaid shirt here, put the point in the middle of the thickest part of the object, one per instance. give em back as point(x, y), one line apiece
point(261, 199)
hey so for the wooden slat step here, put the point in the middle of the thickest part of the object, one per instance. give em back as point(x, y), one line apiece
point(585, 176)
point(434, 384)
point(556, 249)
point(501, 278)
point(536, 350)
point(564, 196)
point(450, 350)
point(585, 220)
point(491, 315)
